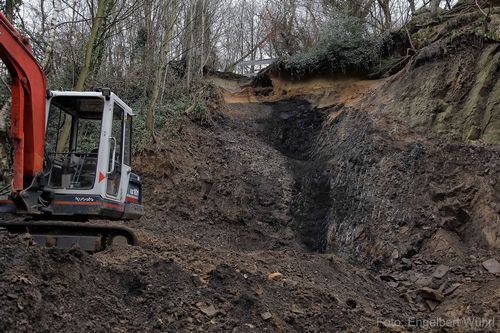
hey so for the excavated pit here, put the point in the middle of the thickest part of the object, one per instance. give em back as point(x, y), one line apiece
point(293, 128)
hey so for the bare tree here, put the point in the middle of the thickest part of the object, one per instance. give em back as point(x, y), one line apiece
point(88, 62)
point(435, 7)
point(171, 18)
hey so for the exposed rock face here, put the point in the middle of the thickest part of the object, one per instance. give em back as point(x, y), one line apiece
point(420, 210)
point(401, 175)
point(372, 187)
point(402, 166)
point(456, 95)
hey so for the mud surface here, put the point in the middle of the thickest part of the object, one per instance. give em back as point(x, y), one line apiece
point(280, 218)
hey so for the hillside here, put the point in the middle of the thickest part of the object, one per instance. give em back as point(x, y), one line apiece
point(361, 199)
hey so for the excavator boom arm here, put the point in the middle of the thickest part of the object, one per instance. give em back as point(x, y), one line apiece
point(28, 114)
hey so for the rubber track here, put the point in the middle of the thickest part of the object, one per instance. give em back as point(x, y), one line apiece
point(106, 232)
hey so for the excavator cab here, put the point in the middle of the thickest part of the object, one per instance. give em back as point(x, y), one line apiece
point(88, 170)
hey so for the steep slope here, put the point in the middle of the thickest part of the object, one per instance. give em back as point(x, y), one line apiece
point(398, 202)
point(400, 174)
point(216, 254)
point(456, 94)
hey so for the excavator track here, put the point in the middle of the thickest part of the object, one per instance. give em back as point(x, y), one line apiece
point(87, 236)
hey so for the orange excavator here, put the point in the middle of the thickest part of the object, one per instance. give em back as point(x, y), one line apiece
point(61, 183)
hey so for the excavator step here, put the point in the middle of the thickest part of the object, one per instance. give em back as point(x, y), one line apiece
point(87, 236)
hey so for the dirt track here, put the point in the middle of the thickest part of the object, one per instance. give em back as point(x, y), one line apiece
point(226, 245)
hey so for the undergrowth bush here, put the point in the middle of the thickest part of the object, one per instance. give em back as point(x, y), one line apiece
point(345, 45)
point(199, 105)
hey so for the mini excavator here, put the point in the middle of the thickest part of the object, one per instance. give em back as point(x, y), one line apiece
point(61, 181)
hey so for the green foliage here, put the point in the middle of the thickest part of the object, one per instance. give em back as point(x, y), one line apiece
point(207, 101)
point(166, 116)
point(345, 45)
point(198, 105)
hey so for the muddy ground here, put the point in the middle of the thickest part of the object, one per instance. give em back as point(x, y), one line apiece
point(247, 231)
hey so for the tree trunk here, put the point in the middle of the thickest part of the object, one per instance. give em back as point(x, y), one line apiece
point(56, 12)
point(103, 34)
point(435, 7)
point(190, 48)
point(386, 9)
point(165, 45)
point(9, 9)
point(202, 36)
point(97, 23)
point(413, 9)
point(148, 58)
point(91, 44)
point(252, 36)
